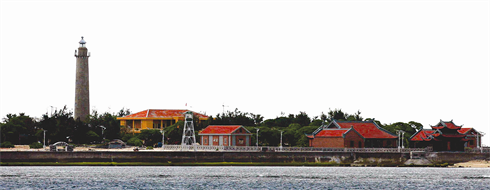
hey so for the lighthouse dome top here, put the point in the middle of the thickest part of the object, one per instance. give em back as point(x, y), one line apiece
point(82, 42)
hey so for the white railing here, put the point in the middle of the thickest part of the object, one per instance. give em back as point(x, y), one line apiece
point(286, 149)
point(478, 150)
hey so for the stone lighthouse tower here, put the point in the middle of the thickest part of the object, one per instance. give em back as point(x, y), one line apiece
point(82, 101)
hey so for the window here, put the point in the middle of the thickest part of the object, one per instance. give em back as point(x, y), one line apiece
point(226, 140)
point(360, 144)
point(351, 143)
point(215, 139)
point(471, 142)
point(206, 141)
point(240, 141)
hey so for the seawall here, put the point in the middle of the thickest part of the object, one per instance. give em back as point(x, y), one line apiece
point(178, 157)
point(187, 157)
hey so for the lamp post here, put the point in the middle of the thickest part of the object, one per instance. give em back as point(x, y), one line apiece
point(281, 140)
point(44, 141)
point(257, 143)
point(103, 128)
point(400, 136)
point(163, 139)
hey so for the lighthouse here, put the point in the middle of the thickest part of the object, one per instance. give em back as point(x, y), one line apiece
point(82, 101)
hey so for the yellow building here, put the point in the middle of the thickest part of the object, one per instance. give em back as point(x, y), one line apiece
point(155, 119)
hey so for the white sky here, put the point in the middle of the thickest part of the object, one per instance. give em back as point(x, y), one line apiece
point(392, 60)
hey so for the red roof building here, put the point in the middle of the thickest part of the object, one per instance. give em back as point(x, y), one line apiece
point(225, 135)
point(155, 119)
point(446, 136)
point(355, 134)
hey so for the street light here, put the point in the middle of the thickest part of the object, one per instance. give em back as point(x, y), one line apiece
point(400, 136)
point(44, 142)
point(257, 143)
point(103, 128)
point(163, 139)
point(281, 140)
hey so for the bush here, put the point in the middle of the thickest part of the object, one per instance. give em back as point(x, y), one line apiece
point(149, 148)
point(36, 145)
point(6, 144)
point(135, 141)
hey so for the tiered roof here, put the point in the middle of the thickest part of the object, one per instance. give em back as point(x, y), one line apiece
point(446, 124)
point(162, 113)
point(222, 129)
point(455, 131)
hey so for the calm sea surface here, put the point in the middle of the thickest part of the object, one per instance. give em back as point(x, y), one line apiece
point(146, 177)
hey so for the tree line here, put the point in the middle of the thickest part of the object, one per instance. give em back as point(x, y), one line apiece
point(100, 128)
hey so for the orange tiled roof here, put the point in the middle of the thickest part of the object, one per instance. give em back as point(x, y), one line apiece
point(221, 129)
point(464, 130)
point(162, 113)
point(422, 135)
point(367, 129)
point(446, 124)
point(331, 133)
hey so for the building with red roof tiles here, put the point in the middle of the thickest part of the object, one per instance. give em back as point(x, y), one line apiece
point(352, 134)
point(225, 135)
point(446, 136)
point(155, 119)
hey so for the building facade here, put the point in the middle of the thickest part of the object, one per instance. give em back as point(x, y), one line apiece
point(225, 135)
point(156, 119)
point(446, 136)
point(352, 134)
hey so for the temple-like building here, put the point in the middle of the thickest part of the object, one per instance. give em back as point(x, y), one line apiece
point(446, 136)
point(352, 134)
point(155, 119)
point(225, 135)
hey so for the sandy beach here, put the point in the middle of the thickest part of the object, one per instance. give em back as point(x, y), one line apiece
point(473, 164)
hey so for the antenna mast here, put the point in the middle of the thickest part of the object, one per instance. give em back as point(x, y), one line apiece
point(188, 136)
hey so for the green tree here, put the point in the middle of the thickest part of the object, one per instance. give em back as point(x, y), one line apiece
point(409, 129)
point(237, 118)
point(98, 122)
point(92, 137)
point(302, 119)
point(135, 141)
point(150, 137)
point(18, 129)
point(60, 126)
point(173, 133)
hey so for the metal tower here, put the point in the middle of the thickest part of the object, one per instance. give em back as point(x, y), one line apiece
point(188, 136)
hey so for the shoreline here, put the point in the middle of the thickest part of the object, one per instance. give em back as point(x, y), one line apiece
point(293, 164)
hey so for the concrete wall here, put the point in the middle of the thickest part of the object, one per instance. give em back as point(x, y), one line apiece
point(175, 157)
point(455, 157)
point(186, 157)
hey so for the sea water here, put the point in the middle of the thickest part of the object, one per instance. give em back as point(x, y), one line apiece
point(148, 177)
